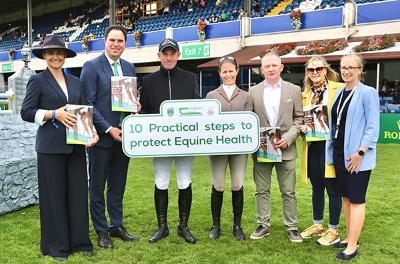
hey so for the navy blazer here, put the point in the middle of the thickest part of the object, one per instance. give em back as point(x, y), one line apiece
point(43, 92)
point(96, 81)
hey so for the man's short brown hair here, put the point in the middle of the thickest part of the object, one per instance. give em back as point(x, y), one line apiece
point(115, 27)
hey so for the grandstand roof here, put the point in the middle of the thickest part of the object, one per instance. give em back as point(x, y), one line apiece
point(9, 6)
point(11, 10)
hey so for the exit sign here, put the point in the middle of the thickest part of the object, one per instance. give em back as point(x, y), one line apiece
point(7, 67)
point(196, 51)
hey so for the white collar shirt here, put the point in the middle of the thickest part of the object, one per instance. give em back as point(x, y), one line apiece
point(64, 88)
point(272, 98)
point(111, 62)
point(229, 89)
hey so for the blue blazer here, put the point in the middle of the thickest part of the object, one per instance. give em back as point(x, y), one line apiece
point(43, 92)
point(362, 126)
point(96, 81)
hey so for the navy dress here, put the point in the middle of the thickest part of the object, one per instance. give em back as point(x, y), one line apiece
point(350, 185)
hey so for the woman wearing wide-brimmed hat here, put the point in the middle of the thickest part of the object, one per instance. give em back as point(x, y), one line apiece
point(62, 175)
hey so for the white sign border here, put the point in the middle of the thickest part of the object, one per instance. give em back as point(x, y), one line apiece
point(194, 153)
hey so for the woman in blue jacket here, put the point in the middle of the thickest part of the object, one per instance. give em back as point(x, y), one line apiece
point(354, 127)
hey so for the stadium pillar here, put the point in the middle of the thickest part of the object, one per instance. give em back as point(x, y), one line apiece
point(201, 84)
point(29, 17)
point(111, 11)
point(247, 8)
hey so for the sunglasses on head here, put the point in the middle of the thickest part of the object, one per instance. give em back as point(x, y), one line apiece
point(313, 70)
point(229, 58)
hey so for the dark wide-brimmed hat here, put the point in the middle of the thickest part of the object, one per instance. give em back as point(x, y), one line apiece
point(53, 41)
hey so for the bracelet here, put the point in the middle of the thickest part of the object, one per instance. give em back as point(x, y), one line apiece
point(53, 118)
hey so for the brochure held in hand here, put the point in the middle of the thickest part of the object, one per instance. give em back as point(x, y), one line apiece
point(268, 152)
point(124, 94)
point(83, 131)
point(316, 119)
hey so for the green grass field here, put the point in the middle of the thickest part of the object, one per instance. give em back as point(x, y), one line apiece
point(380, 240)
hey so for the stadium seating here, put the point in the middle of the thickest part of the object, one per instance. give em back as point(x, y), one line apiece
point(41, 25)
point(265, 6)
point(325, 4)
point(188, 18)
point(9, 42)
point(174, 19)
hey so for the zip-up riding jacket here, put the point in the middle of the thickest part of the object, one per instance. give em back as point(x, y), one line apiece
point(166, 84)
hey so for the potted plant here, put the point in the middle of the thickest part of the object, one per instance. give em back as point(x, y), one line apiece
point(295, 15)
point(201, 29)
point(376, 43)
point(85, 44)
point(320, 47)
point(11, 53)
point(137, 35)
point(279, 49)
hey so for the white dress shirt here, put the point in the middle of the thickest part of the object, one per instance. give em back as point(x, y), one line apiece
point(40, 113)
point(272, 98)
point(229, 90)
point(120, 73)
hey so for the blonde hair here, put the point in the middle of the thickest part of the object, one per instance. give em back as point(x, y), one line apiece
point(359, 61)
point(331, 74)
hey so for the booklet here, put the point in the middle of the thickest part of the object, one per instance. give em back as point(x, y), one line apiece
point(83, 131)
point(268, 151)
point(123, 93)
point(316, 119)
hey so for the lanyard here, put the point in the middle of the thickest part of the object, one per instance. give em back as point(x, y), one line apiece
point(339, 110)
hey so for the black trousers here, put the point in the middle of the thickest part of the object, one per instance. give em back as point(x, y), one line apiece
point(107, 165)
point(63, 200)
point(316, 173)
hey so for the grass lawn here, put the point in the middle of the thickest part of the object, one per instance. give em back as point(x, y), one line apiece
point(20, 234)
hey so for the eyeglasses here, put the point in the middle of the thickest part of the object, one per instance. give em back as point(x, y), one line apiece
point(349, 69)
point(315, 70)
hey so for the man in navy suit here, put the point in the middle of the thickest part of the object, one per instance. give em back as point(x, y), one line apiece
point(107, 162)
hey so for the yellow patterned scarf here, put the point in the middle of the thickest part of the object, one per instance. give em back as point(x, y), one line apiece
point(318, 92)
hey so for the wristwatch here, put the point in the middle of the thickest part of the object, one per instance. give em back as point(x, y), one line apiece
point(361, 153)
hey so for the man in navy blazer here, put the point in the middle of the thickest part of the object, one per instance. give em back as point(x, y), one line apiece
point(107, 162)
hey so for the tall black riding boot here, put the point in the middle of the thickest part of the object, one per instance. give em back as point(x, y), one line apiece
point(237, 204)
point(185, 203)
point(216, 205)
point(161, 203)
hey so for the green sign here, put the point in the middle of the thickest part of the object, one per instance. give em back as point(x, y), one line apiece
point(389, 129)
point(196, 51)
point(7, 67)
point(190, 127)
